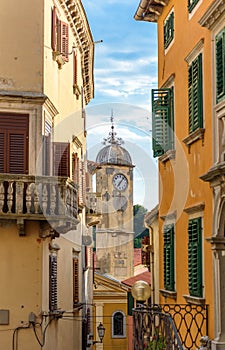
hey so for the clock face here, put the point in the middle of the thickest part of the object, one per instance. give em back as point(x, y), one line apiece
point(120, 182)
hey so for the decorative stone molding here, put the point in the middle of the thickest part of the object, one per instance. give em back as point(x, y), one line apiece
point(194, 300)
point(194, 136)
point(191, 56)
point(213, 14)
point(169, 216)
point(150, 10)
point(168, 294)
point(195, 208)
point(171, 154)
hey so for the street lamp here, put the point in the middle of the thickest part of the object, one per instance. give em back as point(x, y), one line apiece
point(101, 333)
point(141, 291)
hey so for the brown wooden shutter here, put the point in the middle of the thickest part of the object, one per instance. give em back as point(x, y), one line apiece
point(53, 297)
point(2, 152)
point(75, 168)
point(61, 152)
point(64, 40)
point(54, 29)
point(75, 281)
point(17, 153)
point(14, 130)
point(74, 68)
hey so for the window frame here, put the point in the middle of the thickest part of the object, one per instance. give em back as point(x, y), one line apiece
point(76, 297)
point(195, 256)
point(123, 333)
point(169, 257)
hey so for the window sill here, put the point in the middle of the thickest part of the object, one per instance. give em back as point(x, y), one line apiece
point(194, 136)
point(170, 154)
point(168, 294)
point(194, 300)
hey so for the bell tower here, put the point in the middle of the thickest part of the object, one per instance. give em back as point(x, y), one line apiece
point(114, 184)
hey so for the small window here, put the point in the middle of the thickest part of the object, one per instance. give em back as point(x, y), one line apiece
point(118, 325)
point(195, 96)
point(162, 121)
point(195, 257)
point(220, 66)
point(169, 30)
point(169, 266)
point(192, 4)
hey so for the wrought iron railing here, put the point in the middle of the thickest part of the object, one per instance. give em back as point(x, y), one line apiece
point(169, 326)
point(155, 330)
point(191, 322)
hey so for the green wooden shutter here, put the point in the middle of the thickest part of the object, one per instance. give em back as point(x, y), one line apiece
point(169, 281)
point(162, 121)
point(192, 4)
point(169, 30)
point(195, 97)
point(220, 66)
point(130, 304)
point(195, 257)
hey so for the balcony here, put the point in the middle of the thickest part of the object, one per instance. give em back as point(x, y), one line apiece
point(48, 199)
point(92, 208)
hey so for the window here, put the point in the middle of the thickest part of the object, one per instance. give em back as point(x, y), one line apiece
point(47, 141)
point(162, 121)
point(118, 325)
point(75, 281)
point(195, 97)
point(60, 36)
point(14, 143)
point(192, 4)
point(169, 30)
point(195, 257)
point(169, 282)
point(220, 66)
point(53, 283)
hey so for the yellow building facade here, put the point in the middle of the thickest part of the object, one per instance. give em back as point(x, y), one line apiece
point(182, 127)
point(46, 82)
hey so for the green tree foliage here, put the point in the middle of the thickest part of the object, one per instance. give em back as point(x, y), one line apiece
point(139, 230)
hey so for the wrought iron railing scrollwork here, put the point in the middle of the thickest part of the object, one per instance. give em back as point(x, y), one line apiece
point(169, 326)
point(155, 330)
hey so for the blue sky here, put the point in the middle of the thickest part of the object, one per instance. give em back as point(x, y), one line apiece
point(125, 71)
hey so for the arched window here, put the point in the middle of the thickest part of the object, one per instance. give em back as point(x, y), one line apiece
point(118, 325)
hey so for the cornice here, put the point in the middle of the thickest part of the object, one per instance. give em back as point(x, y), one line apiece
point(150, 10)
point(213, 14)
point(77, 19)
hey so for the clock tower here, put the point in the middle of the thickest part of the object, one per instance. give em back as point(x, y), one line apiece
point(114, 185)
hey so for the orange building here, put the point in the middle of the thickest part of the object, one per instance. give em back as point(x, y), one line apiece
point(182, 125)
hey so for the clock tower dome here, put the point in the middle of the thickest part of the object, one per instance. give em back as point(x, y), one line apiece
point(114, 185)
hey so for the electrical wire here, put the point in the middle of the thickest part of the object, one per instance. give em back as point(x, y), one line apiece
point(15, 336)
point(42, 341)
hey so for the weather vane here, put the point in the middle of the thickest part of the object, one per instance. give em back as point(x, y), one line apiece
point(112, 139)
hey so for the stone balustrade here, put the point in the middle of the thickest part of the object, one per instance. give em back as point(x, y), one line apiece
point(38, 197)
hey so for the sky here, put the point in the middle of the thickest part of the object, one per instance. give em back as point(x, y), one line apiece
point(125, 71)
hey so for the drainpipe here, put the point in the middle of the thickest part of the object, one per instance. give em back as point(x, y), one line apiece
point(152, 266)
